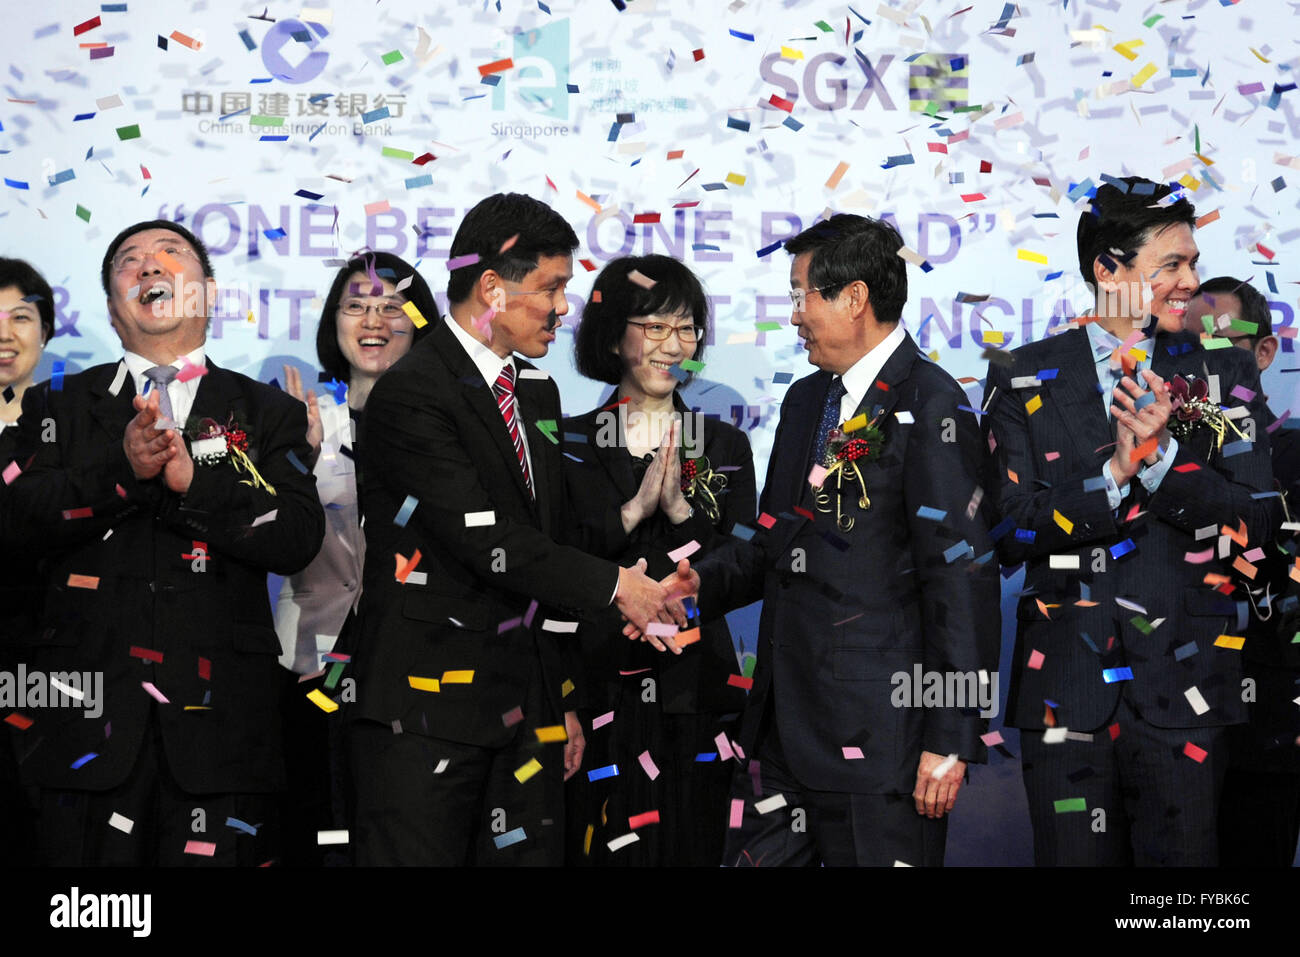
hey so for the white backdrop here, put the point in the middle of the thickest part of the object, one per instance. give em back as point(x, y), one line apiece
point(734, 124)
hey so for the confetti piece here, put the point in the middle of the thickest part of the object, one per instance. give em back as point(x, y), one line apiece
point(393, 56)
point(1067, 805)
point(89, 582)
point(458, 677)
point(1033, 257)
point(201, 848)
point(1066, 525)
point(509, 838)
point(146, 654)
point(598, 774)
point(1144, 74)
point(554, 734)
point(154, 692)
point(85, 26)
point(496, 66)
point(19, 721)
point(621, 842)
point(688, 637)
point(737, 814)
point(476, 519)
point(121, 823)
point(424, 684)
point(648, 765)
point(1195, 699)
point(1034, 404)
point(772, 803)
point(184, 40)
point(322, 701)
point(1195, 753)
point(525, 772)
point(1233, 642)
point(1036, 659)
point(1112, 675)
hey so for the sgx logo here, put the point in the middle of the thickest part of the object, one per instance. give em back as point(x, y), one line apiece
point(937, 82)
point(540, 78)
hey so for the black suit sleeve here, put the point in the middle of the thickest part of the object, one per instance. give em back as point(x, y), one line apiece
point(421, 448)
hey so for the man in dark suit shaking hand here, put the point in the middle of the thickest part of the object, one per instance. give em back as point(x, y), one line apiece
point(1132, 477)
point(875, 569)
point(158, 491)
point(464, 726)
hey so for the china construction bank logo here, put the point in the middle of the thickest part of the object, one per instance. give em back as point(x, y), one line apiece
point(290, 50)
point(539, 78)
point(936, 82)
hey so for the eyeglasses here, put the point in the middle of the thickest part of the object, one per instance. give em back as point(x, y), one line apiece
point(384, 310)
point(133, 258)
point(799, 297)
point(660, 331)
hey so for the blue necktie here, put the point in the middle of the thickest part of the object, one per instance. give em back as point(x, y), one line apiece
point(161, 376)
point(830, 418)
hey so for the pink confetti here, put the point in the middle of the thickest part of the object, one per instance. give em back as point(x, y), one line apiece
point(200, 848)
point(11, 472)
point(379, 207)
point(992, 739)
point(850, 754)
point(661, 629)
point(191, 371)
point(601, 720)
point(687, 550)
point(648, 765)
point(512, 717)
point(724, 746)
point(1036, 658)
point(1242, 393)
point(737, 812)
point(154, 692)
point(817, 475)
point(1199, 558)
point(1051, 456)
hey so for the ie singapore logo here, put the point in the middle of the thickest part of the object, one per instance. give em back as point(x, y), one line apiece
point(540, 78)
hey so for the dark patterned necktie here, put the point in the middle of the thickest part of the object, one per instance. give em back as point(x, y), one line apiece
point(830, 418)
point(504, 389)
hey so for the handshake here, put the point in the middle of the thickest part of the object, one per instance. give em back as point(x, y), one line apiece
point(644, 601)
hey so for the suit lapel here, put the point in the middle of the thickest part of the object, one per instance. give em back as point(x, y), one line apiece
point(219, 398)
point(881, 397)
point(113, 412)
point(1073, 397)
point(478, 396)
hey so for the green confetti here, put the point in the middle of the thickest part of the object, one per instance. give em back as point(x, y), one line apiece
point(1152, 21)
point(1197, 131)
point(258, 120)
point(83, 213)
point(332, 679)
point(1216, 343)
point(749, 662)
point(547, 428)
point(391, 57)
point(1141, 624)
point(1249, 328)
point(690, 365)
point(398, 154)
point(1066, 805)
point(767, 326)
point(823, 26)
point(131, 132)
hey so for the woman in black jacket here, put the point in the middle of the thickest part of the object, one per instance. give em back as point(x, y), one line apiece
point(681, 483)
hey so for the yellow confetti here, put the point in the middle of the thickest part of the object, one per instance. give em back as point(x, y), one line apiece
point(1259, 56)
point(586, 841)
point(1190, 181)
point(528, 770)
point(457, 677)
point(1139, 354)
point(1034, 404)
point(992, 335)
point(1066, 525)
point(1229, 641)
point(736, 179)
point(566, 689)
point(423, 684)
point(552, 734)
point(1126, 50)
point(250, 316)
point(855, 423)
point(413, 311)
point(1144, 74)
point(321, 700)
point(1031, 257)
point(790, 53)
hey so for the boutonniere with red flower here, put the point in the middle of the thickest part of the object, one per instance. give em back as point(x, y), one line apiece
point(844, 450)
point(212, 443)
point(701, 485)
point(1192, 409)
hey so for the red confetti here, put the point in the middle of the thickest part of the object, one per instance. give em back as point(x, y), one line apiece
point(19, 721)
point(588, 265)
point(698, 54)
point(645, 218)
point(1186, 467)
point(740, 681)
point(986, 166)
point(676, 154)
point(78, 513)
point(497, 66)
point(937, 147)
point(423, 158)
point(1114, 731)
point(781, 103)
point(205, 669)
point(972, 197)
point(767, 521)
point(641, 820)
point(805, 513)
point(147, 654)
point(1196, 754)
point(81, 28)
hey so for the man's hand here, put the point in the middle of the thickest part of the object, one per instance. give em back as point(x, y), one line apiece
point(936, 796)
point(178, 473)
point(640, 599)
point(315, 431)
point(642, 505)
point(1122, 467)
point(1149, 422)
point(147, 449)
point(575, 746)
point(683, 583)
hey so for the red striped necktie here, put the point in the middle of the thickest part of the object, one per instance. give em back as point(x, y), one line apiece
point(504, 389)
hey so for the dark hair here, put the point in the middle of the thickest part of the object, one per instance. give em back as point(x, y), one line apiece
point(1254, 307)
point(537, 230)
point(615, 298)
point(20, 273)
point(106, 269)
point(1125, 215)
point(846, 248)
point(385, 266)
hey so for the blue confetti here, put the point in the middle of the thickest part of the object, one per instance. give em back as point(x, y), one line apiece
point(16, 183)
point(954, 552)
point(792, 123)
point(1095, 484)
point(598, 774)
point(768, 250)
point(404, 513)
point(83, 760)
point(294, 461)
point(417, 181)
point(112, 8)
point(1001, 528)
point(1046, 374)
point(1111, 675)
point(276, 233)
point(1185, 651)
point(741, 36)
point(781, 378)
point(704, 756)
point(239, 825)
point(903, 159)
point(742, 532)
point(936, 514)
point(375, 116)
point(1236, 448)
point(308, 194)
point(269, 138)
point(248, 40)
point(736, 123)
point(1120, 549)
point(509, 837)
point(1026, 535)
point(56, 376)
point(62, 177)
point(83, 116)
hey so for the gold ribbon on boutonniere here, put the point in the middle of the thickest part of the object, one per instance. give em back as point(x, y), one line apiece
point(700, 485)
point(212, 442)
point(1189, 397)
point(841, 463)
